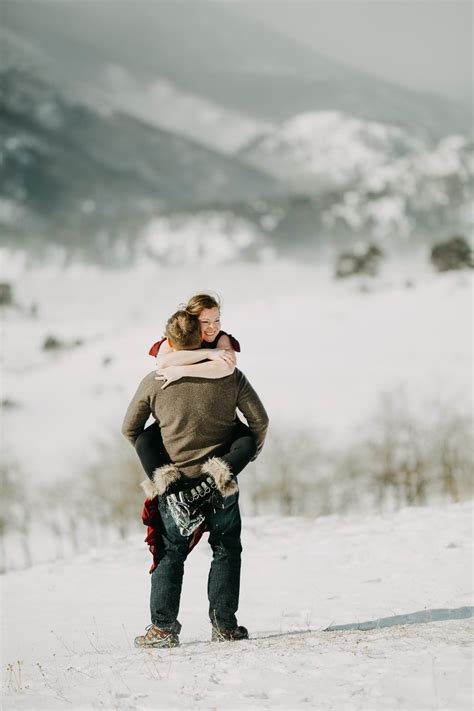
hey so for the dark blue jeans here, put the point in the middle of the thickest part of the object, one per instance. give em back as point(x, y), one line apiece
point(223, 520)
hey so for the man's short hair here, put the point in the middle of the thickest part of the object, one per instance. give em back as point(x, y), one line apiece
point(184, 331)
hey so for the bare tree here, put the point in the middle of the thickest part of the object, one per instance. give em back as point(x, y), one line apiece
point(112, 486)
point(286, 472)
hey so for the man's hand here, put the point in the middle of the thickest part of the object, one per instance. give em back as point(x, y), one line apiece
point(169, 375)
point(222, 354)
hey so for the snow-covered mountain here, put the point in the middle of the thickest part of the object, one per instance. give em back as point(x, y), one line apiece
point(157, 101)
point(70, 172)
point(366, 178)
point(328, 149)
point(161, 102)
point(426, 192)
point(318, 178)
point(244, 71)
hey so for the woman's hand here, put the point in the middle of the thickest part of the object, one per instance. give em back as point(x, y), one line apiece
point(169, 375)
point(220, 353)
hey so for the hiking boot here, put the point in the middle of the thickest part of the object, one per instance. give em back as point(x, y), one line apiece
point(222, 635)
point(158, 638)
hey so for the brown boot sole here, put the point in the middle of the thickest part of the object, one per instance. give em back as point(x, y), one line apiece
point(165, 643)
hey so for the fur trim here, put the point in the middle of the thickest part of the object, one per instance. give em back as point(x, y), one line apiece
point(149, 488)
point(163, 477)
point(222, 475)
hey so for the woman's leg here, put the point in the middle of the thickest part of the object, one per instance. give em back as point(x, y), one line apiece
point(242, 449)
point(150, 449)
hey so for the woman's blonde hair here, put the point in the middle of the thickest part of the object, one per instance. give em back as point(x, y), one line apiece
point(198, 302)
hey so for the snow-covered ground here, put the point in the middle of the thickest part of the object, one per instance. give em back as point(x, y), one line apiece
point(319, 352)
point(69, 626)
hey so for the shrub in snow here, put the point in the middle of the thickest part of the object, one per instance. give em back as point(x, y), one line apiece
point(363, 259)
point(111, 486)
point(398, 458)
point(15, 515)
point(407, 458)
point(8, 404)
point(283, 481)
point(6, 294)
point(51, 343)
point(454, 253)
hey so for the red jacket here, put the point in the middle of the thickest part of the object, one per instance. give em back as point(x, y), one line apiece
point(205, 344)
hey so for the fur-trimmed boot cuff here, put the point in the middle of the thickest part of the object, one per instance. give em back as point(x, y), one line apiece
point(219, 470)
point(163, 477)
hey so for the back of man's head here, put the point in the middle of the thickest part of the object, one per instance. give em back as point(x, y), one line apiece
point(183, 331)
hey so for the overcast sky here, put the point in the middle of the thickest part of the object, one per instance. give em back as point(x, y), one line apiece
point(423, 44)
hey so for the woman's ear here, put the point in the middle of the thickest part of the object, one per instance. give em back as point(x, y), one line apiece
point(170, 343)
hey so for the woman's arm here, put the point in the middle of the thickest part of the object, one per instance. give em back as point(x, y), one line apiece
point(218, 368)
point(225, 344)
point(173, 365)
point(167, 356)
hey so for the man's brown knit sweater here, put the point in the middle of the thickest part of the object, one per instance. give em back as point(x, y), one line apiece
point(196, 416)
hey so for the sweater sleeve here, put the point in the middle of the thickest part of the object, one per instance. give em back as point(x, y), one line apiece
point(138, 412)
point(252, 409)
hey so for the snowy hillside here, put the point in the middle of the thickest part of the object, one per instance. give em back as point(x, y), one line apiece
point(370, 178)
point(321, 180)
point(162, 103)
point(424, 192)
point(215, 237)
point(332, 148)
point(69, 626)
point(157, 101)
point(341, 180)
point(125, 171)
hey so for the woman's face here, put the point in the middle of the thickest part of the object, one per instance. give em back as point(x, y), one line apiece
point(210, 320)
